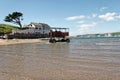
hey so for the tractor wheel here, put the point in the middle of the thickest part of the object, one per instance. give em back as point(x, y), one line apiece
point(67, 40)
point(52, 41)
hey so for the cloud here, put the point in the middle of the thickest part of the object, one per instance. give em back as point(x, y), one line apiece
point(118, 17)
point(81, 21)
point(75, 17)
point(103, 8)
point(87, 26)
point(109, 16)
point(80, 18)
point(94, 15)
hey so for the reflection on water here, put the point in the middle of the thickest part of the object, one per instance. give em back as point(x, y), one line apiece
point(60, 61)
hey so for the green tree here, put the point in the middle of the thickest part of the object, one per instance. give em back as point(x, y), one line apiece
point(15, 17)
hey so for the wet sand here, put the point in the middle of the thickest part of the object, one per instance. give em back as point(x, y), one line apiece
point(20, 41)
point(43, 61)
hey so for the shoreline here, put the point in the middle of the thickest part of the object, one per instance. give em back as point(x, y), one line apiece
point(21, 41)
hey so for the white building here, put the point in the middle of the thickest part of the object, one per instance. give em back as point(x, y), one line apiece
point(34, 29)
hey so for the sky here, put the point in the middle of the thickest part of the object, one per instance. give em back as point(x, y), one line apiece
point(80, 16)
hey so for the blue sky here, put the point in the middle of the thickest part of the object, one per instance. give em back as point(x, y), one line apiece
point(81, 16)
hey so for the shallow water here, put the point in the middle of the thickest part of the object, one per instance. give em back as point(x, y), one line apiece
point(81, 59)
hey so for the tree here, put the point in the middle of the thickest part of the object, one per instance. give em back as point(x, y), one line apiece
point(15, 17)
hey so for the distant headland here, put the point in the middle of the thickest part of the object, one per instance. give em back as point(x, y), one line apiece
point(112, 34)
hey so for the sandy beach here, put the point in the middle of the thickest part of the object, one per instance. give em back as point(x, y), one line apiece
point(20, 41)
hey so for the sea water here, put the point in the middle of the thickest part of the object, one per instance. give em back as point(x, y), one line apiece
point(81, 59)
point(94, 47)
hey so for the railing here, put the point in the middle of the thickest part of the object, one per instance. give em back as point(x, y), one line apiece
point(58, 34)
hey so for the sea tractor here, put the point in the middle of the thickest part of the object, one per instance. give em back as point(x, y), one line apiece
point(59, 35)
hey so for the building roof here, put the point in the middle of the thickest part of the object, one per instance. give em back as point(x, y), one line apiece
point(34, 24)
point(39, 24)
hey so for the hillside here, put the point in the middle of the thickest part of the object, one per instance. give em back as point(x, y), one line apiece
point(5, 28)
point(115, 33)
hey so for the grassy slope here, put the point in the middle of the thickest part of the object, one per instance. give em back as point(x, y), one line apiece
point(5, 28)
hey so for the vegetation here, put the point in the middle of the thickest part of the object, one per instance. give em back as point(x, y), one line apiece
point(15, 17)
point(115, 33)
point(6, 29)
